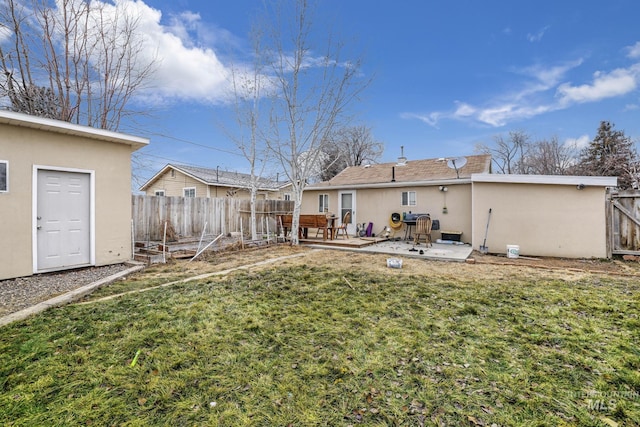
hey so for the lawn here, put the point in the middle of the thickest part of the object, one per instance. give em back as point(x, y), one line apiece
point(334, 343)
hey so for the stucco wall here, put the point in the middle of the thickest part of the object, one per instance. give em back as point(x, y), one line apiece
point(544, 220)
point(377, 204)
point(24, 148)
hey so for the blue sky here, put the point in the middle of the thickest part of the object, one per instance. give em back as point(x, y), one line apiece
point(447, 75)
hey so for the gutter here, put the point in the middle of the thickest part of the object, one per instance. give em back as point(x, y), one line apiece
point(392, 184)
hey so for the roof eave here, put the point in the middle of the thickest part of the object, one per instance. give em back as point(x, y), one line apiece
point(594, 181)
point(394, 184)
point(58, 126)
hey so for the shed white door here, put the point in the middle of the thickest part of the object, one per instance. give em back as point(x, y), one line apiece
point(63, 230)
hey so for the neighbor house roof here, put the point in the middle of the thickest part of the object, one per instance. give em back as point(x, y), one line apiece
point(217, 177)
point(66, 128)
point(410, 172)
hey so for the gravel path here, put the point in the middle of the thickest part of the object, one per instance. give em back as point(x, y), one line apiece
point(23, 292)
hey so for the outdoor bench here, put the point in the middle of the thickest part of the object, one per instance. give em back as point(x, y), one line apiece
point(307, 221)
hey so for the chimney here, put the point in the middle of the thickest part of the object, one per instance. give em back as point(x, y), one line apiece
point(402, 160)
point(393, 174)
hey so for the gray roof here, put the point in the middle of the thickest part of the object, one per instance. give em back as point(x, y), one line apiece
point(221, 178)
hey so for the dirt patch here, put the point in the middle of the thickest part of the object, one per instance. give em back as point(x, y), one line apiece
point(485, 265)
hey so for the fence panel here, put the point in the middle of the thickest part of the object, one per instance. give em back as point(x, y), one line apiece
point(624, 222)
point(190, 216)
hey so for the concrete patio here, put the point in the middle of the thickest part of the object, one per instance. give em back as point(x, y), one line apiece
point(396, 248)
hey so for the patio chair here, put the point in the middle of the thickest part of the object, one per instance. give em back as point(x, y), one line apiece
point(345, 221)
point(423, 226)
point(328, 229)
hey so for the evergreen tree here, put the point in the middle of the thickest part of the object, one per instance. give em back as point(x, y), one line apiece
point(611, 153)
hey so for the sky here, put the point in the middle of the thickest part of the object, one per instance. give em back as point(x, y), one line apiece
point(446, 75)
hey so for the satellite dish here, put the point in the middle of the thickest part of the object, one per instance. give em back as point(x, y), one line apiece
point(457, 164)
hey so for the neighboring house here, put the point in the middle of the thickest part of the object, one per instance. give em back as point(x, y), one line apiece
point(65, 195)
point(190, 181)
point(373, 192)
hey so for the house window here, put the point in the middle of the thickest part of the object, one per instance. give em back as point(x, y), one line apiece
point(287, 196)
point(323, 203)
point(4, 176)
point(159, 192)
point(189, 192)
point(408, 198)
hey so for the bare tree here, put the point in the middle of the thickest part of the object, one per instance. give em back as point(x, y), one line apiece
point(87, 58)
point(509, 155)
point(550, 157)
point(350, 146)
point(249, 85)
point(312, 89)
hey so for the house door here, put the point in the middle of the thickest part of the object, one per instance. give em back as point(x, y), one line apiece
point(63, 220)
point(347, 201)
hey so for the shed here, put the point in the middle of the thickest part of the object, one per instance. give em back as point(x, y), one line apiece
point(545, 215)
point(65, 195)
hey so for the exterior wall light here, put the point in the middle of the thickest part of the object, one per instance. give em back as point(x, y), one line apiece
point(442, 188)
point(580, 187)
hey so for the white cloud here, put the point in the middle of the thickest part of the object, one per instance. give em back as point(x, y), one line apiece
point(5, 34)
point(536, 37)
point(184, 71)
point(543, 91)
point(186, 67)
point(517, 105)
point(431, 118)
point(464, 110)
point(634, 51)
point(605, 85)
point(577, 143)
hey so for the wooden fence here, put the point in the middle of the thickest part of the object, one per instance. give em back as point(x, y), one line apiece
point(194, 216)
point(624, 223)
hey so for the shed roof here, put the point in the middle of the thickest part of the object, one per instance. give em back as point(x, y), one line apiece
point(409, 172)
point(217, 177)
point(59, 126)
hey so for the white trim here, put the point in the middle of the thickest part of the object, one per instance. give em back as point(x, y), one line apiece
point(594, 181)
point(58, 126)
point(34, 213)
point(189, 188)
point(415, 198)
point(6, 162)
point(351, 228)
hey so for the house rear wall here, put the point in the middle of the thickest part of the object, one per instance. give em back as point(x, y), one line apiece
point(376, 205)
point(24, 148)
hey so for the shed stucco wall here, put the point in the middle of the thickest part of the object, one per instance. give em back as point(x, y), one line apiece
point(23, 148)
point(544, 220)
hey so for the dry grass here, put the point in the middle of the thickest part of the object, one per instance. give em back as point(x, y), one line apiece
point(333, 338)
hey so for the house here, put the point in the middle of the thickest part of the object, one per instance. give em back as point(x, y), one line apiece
point(559, 216)
point(191, 181)
point(440, 187)
point(65, 195)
